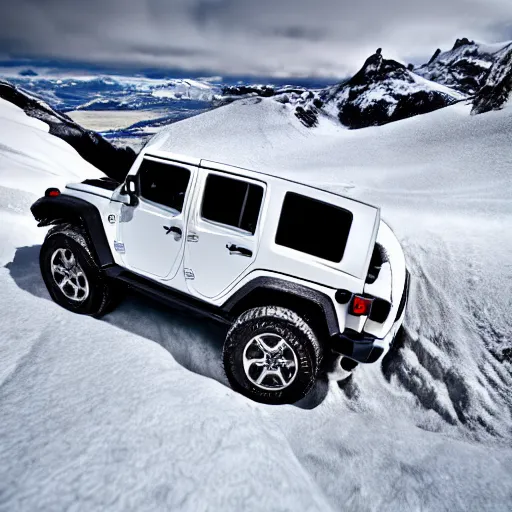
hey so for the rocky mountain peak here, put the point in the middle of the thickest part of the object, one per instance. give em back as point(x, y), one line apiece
point(464, 67)
point(497, 88)
point(376, 68)
point(382, 91)
point(462, 42)
point(434, 57)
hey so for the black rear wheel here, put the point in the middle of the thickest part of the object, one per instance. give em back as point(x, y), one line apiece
point(271, 355)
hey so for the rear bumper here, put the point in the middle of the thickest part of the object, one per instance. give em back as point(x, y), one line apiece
point(365, 348)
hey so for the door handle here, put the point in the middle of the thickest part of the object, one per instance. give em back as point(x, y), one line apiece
point(241, 251)
point(173, 229)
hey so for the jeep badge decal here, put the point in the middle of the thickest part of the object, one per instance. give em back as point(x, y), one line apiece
point(119, 247)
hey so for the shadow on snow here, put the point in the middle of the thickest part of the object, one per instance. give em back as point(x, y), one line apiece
point(193, 341)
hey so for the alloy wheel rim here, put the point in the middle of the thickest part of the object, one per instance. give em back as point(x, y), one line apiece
point(270, 363)
point(69, 276)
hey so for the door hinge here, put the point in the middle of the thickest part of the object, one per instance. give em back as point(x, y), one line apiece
point(189, 274)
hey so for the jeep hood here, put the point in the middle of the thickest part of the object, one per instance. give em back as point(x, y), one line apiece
point(103, 187)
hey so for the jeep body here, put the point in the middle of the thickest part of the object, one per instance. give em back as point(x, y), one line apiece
point(222, 241)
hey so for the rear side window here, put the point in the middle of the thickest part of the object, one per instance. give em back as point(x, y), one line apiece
point(313, 227)
point(234, 203)
point(164, 184)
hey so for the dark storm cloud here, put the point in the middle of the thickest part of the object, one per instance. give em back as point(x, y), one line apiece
point(166, 50)
point(322, 37)
point(299, 33)
point(207, 11)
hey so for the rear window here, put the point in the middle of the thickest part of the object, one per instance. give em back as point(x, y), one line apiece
point(313, 227)
point(233, 203)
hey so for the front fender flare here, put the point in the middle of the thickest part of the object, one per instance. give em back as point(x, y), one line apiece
point(67, 209)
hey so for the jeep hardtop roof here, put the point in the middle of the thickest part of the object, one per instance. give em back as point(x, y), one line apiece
point(218, 166)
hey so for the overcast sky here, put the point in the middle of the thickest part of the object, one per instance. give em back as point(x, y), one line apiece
point(262, 37)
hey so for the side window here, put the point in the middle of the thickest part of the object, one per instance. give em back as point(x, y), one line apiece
point(164, 184)
point(232, 202)
point(313, 227)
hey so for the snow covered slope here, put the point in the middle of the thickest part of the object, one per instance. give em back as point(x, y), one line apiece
point(31, 159)
point(97, 417)
point(381, 92)
point(443, 181)
point(113, 161)
point(464, 67)
point(132, 412)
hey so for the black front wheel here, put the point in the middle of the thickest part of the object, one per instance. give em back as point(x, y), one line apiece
point(72, 277)
point(272, 355)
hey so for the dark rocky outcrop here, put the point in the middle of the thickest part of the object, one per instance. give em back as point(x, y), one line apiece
point(307, 116)
point(464, 68)
point(281, 94)
point(464, 41)
point(497, 88)
point(434, 57)
point(265, 91)
point(113, 161)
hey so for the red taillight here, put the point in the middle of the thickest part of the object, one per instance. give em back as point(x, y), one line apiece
point(52, 192)
point(360, 306)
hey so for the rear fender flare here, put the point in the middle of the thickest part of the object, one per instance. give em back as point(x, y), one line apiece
point(242, 299)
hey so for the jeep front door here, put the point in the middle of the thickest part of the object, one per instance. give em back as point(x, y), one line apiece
point(223, 231)
point(152, 233)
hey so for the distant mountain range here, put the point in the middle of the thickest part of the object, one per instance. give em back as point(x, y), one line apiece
point(382, 91)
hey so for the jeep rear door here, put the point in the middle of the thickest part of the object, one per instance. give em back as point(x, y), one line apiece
point(223, 231)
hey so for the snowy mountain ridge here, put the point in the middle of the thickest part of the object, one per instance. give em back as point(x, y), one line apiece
point(497, 87)
point(464, 67)
point(381, 92)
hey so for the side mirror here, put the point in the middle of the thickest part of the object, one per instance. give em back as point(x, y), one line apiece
point(131, 188)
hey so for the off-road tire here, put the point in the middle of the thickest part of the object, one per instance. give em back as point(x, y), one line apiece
point(298, 335)
point(101, 292)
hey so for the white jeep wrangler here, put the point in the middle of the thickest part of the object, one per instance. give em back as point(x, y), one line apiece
point(299, 273)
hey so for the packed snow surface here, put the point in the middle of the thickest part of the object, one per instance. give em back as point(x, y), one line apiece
point(132, 412)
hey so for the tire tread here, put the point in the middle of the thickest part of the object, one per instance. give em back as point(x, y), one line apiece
point(258, 317)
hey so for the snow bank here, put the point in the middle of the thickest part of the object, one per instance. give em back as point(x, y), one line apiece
point(132, 412)
point(31, 159)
